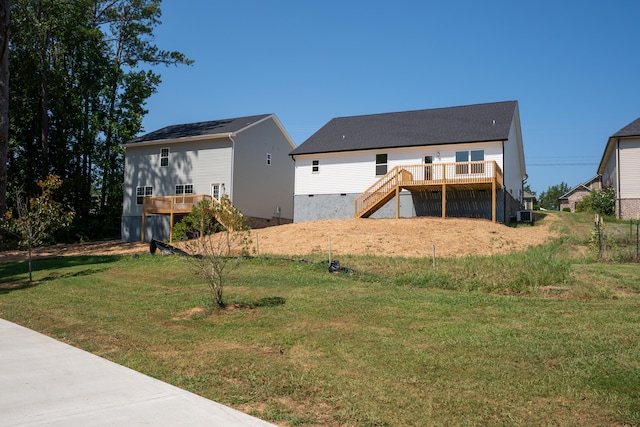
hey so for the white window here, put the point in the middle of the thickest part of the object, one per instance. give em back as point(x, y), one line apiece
point(184, 189)
point(164, 157)
point(142, 192)
point(269, 159)
point(215, 191)
point(315, 166)
point(467, 156)
point(381, 164)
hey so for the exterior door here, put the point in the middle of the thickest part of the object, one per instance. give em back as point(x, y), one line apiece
point(428, 169)
point(215, 191)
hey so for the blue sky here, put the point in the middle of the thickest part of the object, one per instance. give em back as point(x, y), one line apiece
point(573, 66)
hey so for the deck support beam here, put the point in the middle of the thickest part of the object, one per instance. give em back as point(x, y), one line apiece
point(171, 227)
point(493, 201)
point(444, 200)
point(397, 201)
point(144, 225)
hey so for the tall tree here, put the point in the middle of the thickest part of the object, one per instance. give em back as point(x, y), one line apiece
point(82, 76)
point(526, 187)
point(549, 199)
point(5, 9)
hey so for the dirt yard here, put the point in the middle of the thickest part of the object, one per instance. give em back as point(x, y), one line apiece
point(410, 237)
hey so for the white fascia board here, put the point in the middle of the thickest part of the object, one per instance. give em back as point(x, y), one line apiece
point(608, 151)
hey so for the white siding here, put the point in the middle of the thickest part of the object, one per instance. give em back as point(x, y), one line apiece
point(513, 170)
point(259, 189)
point(629, 168)
point(354, 172)
point(610, 174)
point(198, 163)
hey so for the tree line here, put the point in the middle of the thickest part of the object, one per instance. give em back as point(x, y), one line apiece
point(75, 76)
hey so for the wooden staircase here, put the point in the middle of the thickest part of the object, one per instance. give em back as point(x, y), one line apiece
point(485, 175)
point(385, 189)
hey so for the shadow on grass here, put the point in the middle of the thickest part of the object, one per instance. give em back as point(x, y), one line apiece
point(15, 276)
point(261, 302)
point(5, 288)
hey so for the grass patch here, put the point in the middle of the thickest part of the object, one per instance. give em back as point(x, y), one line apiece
point(534, 338)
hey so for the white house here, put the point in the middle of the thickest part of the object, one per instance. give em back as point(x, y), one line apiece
point(465, 161)
point(620, 169)
point(169, 170)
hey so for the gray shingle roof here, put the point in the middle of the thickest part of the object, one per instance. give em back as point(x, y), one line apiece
point(470, 123)
point(214, 127)
point(632, 129)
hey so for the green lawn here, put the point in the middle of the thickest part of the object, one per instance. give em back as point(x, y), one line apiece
point(537, 338)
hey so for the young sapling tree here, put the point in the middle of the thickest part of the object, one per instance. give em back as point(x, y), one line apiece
point(217, 237)
point(37, 218)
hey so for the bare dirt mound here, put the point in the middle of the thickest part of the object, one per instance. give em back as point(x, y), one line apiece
point(409, 237)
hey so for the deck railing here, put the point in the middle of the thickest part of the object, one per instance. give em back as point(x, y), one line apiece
point(183, 203)
point(451, 173)
point(422, 176)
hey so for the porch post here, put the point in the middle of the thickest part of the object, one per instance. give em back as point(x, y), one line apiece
point(171, 227)
point(171, 220)
point(493, 200)
point(144, 218)
point(444, 200)
point(444, 191)
point(397, 201)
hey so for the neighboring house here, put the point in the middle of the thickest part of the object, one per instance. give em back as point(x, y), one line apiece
point(170, 170)
point(529, 200)
point(463, 161)
point(620, 169)
point(571, 198)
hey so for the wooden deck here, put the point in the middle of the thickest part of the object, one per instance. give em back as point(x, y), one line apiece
point(171, 205)
point(422, 177)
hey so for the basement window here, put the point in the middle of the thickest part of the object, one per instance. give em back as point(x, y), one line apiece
point(381, 164)
point(164, 157)
point(142, 192)
point(315, 166)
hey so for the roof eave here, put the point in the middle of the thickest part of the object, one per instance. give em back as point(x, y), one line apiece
point(226, 135)
point(282, 129)
point(391, 147)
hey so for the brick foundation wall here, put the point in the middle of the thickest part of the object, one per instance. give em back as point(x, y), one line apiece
point(628, 208)
point(511, 207)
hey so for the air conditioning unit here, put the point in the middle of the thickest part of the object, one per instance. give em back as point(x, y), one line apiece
point(524, 216)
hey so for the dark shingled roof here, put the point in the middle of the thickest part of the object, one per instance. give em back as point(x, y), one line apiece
point(632, 129)
point(470, 123)
point(188, 130)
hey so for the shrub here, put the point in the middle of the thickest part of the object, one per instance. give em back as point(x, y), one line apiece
point(599, 201)
point(220, 231)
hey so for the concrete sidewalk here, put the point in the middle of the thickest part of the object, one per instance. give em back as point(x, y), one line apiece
point(47, 382)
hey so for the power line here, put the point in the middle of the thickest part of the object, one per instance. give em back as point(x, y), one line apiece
point(562, 164)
